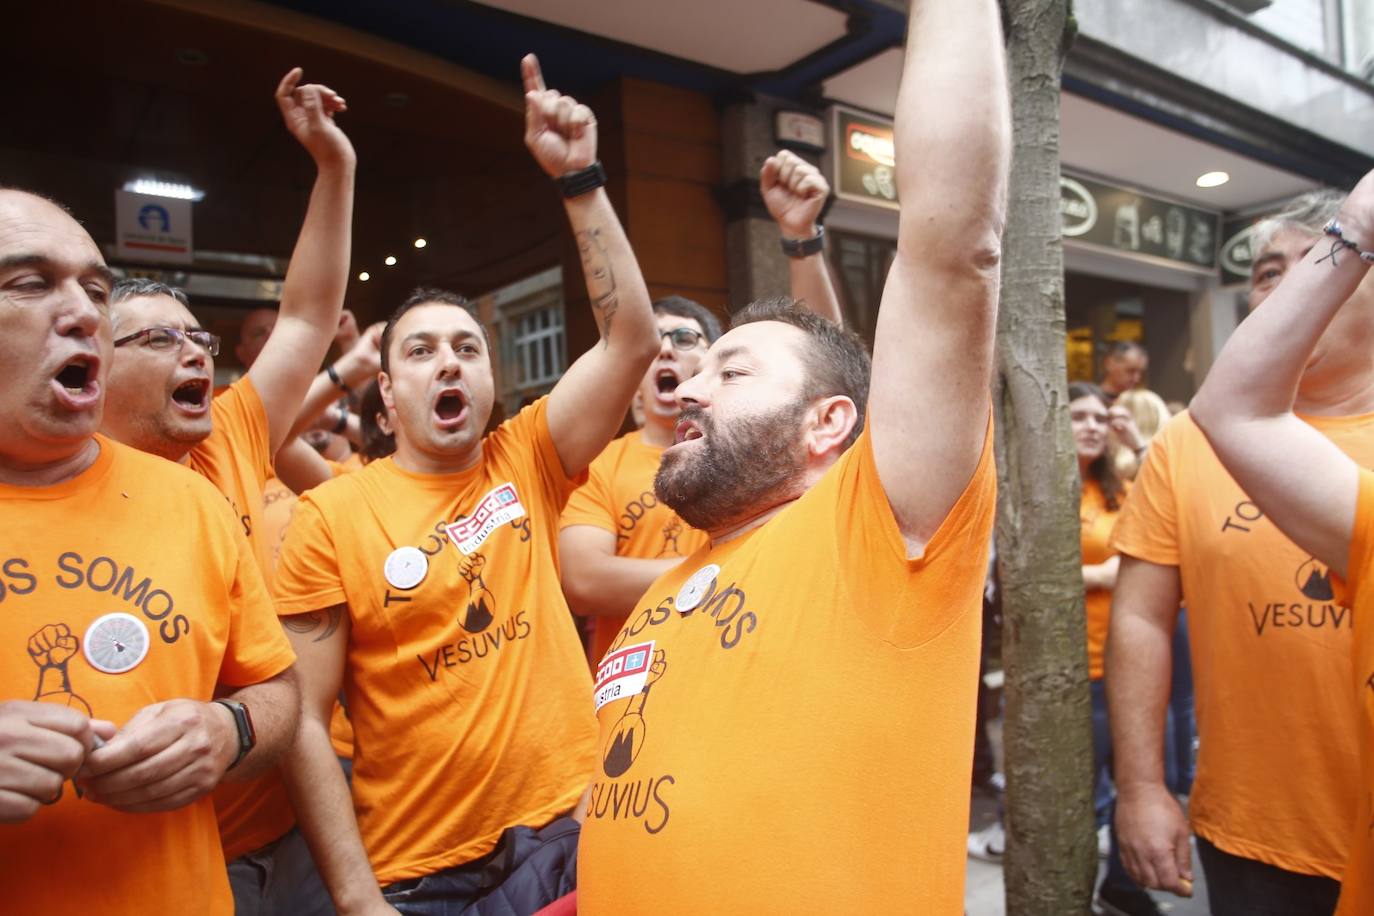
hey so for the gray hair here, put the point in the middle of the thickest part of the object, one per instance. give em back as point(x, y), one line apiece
point(1307, 213)
point(139, 286)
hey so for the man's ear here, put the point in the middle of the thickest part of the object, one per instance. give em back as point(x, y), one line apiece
point(384, 388)
point(829, 424)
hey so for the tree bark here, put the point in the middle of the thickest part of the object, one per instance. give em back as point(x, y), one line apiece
point(1051, 856)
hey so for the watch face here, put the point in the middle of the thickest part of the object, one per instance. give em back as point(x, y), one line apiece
point(116, 643)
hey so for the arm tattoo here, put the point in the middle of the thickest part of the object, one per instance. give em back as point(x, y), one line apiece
point(308, 623)
point(596, 266)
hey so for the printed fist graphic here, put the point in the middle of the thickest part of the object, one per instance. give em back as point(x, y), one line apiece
point(53, 645)
point(471, 569)
point(672, 529)
point(657, 667)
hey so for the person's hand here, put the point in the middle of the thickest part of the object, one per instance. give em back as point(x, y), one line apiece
point(560, 132)
point(1121, 422)
point(347, 333)
point(794, 191)
point(41, 746)
point(1357, 216)
point(309, 115)
point(168, 755)
point(1154, 839)
point(362, 361)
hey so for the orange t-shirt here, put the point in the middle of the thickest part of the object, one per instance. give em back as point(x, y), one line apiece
point(803, 730)
point(465, 679)
point(279, 506)
point(237, 458)
point(127, 585)
point(619, 497)
point(1095, 523)
point(1278, 766)
point(1357, 593)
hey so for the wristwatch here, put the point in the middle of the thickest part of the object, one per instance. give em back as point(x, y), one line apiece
point(248, 738)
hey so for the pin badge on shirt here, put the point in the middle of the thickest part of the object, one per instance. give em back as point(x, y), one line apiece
point(694, 589)
point(406, 567)
point(116, 643)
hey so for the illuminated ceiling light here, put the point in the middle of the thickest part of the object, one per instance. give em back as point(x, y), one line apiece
point(420, 243)
point(391, 260)
point(1213, 180)
point(364, 276)
point(159, 188)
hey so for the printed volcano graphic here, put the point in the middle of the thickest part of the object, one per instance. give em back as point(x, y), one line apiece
point(1314, 580)
point(624, 746)
point(480, 612)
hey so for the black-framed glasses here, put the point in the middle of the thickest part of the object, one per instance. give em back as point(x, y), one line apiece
point(683, 338)
point(173, 338)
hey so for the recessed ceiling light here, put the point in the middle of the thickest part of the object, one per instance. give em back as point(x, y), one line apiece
point(364, 276)
point(420, 243)
point(159, 188)
point(391, 260)
point(1212, 180)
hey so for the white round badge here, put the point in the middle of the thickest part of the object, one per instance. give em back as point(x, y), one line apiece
point(694, 589)
point(406, 567)
point(116, 643)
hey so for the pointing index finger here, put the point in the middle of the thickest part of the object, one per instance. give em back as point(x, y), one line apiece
point(533, 76)
point(289, 82)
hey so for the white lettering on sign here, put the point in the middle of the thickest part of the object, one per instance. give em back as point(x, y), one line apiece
point(498, 507)
point(623, 673)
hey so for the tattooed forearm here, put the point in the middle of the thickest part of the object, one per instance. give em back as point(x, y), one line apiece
point(596, 267)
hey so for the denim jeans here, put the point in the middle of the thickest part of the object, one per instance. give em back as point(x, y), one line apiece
point(1243, 887)
point(280, 879)
point(527, 870)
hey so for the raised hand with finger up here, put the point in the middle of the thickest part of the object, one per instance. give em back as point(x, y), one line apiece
point(559, 131)
point(308, 111)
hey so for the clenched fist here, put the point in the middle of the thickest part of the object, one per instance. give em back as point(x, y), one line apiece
point(53, 645)
point(794, 191)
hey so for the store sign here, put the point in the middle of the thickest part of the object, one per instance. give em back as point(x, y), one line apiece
point(864, 164)
point(152, 229)
point(1236, 252)
point(1133, 223)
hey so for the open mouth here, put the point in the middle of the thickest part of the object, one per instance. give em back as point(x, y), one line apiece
point(192, 394)
point(666, 381)
point(77, 374)
point(450, 407)
point(686, 431)
point(77, 383)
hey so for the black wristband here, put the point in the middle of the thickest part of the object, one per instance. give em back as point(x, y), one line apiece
point(805, 248)
point(575, 184)
point(343, 420)
point(334, 377)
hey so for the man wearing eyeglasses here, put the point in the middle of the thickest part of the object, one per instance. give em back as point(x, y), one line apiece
point(616, 537)
point(118, 631)
point(161, 401)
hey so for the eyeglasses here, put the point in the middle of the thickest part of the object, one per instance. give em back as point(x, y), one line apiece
point(683, 338)
point(173, 338)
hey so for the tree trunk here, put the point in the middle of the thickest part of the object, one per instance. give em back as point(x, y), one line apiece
point(1051, 856)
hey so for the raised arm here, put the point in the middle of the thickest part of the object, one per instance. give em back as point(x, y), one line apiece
point(795, 191)
point(312, 295)
point(588, 404)
point(932, 359)
point(358, 365)
point(314, 780)
point(1297, 476)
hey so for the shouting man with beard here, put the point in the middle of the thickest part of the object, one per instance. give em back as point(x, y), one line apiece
point(426, 586)
point(788, 717)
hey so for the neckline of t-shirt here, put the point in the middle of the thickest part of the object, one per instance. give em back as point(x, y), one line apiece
point(1328, 421)
point(104, 460)
point(445, 480)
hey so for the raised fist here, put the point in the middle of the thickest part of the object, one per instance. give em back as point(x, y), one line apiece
point(657, 667)
point(471, 568)
point(52, 646)
point(560, 133)
point(309, 114)
point(794, 191)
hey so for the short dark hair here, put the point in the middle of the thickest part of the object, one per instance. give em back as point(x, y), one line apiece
point(836, 360)
point(1103, 469)
point(428, 295)
point(682, 307)
point(130, 287)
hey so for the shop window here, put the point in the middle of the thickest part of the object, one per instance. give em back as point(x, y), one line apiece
point(860, 264)
point(529, 325)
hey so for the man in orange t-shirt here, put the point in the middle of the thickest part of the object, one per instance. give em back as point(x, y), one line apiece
point(616, 538)
point(1312, 488)
point(120, 631)
point(787, 720)
point(426, 585)
point(160, 402)
point(1278, 765)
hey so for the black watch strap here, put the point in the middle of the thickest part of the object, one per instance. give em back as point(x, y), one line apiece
point(334, 377)
point(804, 248)
point(248, 737)
point(575, 184)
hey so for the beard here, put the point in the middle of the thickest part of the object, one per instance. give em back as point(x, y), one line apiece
point(732, 477)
